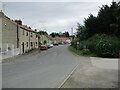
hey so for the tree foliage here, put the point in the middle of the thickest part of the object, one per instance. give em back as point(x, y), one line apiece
point(43, 33)
point(53, 34)
point(101, 33)
point(65, 34)
point(106, 22)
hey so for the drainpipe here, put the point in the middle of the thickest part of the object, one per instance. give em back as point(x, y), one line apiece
point(38, 40)
point(17, 36)
point(29, 40)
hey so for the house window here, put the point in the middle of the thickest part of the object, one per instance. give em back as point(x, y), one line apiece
point(26, 33)
point(31, 44)
point(27, 44)
point(31, 34)
point(36, 43)
point(23, 32)
point(36, 35)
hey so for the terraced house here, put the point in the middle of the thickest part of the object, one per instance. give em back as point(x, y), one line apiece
point(16, 36)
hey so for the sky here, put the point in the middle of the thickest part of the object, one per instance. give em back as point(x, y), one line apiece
point(52, 16)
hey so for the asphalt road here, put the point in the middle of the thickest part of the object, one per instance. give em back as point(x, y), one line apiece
point(45, 70)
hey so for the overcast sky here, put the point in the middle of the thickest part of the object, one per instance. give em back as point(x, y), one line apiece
point(51, 16)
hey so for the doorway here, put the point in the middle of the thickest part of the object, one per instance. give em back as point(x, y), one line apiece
point(23, 47)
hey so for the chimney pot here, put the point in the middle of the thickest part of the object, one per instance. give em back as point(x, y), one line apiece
point(18, 22)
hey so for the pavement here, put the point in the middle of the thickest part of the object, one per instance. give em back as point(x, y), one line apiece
point(91, 73)
point(21, 57)
point(57, 68)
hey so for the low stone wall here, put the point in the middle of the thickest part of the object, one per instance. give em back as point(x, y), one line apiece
point(8, 51)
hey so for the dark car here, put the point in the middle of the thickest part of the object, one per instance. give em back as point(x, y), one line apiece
point(55, 44)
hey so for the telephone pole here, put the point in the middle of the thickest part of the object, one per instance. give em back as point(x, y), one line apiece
point(72, 31)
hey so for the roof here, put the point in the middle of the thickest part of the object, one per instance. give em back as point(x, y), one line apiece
point(11, 21)
point(27, 28)
point(22, 26)
point(49, 37)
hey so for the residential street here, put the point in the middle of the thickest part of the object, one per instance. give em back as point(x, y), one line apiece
point(60, 44)
point(45, 70)
point(57, 68)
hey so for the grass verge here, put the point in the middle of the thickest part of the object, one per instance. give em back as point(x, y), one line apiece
point(79, 52)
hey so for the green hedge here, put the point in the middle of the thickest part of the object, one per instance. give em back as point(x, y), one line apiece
point(108, 46)
point(103, 45)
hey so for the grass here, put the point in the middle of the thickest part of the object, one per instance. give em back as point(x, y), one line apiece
point(79, 52)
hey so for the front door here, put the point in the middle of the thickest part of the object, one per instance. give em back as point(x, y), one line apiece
point(23, 47)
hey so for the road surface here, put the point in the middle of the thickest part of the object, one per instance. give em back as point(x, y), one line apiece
point(45, 70)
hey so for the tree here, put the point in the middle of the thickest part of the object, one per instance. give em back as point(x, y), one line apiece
point(65, 34)
point(107, 17)
point(53, 34)
point(91, 24)
point(43, 33)
point(106, 22)
point(45, 42)
point(81, 32)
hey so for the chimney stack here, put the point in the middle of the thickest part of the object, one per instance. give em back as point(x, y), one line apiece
point(1, 13)
point(18, 22)
point(35, 29)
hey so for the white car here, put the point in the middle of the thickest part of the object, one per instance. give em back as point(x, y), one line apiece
point(51, 45)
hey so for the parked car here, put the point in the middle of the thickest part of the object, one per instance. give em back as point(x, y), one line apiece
point(49, 45)
point(55, 44)
point(43, 47)
point(61, 43)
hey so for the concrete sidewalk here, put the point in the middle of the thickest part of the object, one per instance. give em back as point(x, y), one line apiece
point(22, 57)
point(105, 63)
point(88, 75)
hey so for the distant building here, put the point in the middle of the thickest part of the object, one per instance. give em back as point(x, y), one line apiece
point(62, 40)
point(45, 38)
point(20, 36)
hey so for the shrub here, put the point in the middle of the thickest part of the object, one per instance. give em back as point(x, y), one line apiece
point(90, 43)
point(108, 46)
point(103, 45)
point(74, 43)
point(86, 51)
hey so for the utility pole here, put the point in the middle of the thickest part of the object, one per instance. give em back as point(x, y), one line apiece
point(72, 31)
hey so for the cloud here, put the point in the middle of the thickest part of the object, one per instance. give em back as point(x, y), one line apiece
point(55, 1)
point(59, 22)
point(51, 16)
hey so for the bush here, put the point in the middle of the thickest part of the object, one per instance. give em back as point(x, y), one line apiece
point(103, 45)
point(108, 46)
point(74, 43)
point(90, 43)
point(86, 51)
